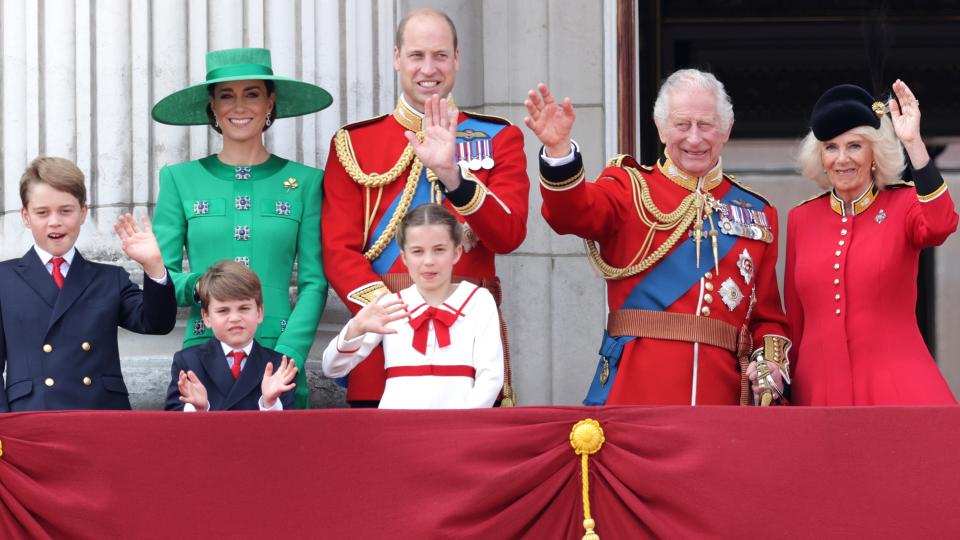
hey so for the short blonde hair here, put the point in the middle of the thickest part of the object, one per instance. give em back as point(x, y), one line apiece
point(887, 154)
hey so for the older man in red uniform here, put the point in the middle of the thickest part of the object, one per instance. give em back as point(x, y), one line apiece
point(425, 151)
point(688, 255)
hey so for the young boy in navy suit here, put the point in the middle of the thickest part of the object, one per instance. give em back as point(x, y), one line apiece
point(231, 371)
point(59, 312)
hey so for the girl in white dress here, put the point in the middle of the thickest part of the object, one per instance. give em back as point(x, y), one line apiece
point(441, 341)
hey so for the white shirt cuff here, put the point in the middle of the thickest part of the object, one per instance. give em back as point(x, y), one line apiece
point(162, 280)
point(277, 405)
point(188, 407)
point(559, 161)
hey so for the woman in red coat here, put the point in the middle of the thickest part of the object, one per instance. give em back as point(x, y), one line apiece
point(852, 255)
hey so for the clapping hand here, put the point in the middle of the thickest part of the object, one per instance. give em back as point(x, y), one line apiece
point(551, 122)
point(905, 115)
point(140, 244)
point(277, 382)
point(437, 150)
point(192, 390)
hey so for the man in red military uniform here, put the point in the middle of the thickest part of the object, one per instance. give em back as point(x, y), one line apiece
point(424, 151)
point(688, 255)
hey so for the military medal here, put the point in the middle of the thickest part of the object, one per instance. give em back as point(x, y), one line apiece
point(290, 183)
point(731, 294)
point(463, 159)
point(743, 221)
point(487, 160)
point(475, 161)
point(881, 215)
point(745, 264)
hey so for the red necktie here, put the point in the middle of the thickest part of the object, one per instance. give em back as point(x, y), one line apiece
point(238, 357)
point(57, 275)
point(442, 320)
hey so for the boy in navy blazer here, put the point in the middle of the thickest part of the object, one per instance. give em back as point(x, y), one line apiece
point(231, 371)
point(59, 312)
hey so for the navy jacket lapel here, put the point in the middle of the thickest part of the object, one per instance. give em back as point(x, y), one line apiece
point(215, 364)
point(78, 277)
point(250, 377)
point(34, 273)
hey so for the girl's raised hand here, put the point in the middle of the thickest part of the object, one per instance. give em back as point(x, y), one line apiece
point(375, 316)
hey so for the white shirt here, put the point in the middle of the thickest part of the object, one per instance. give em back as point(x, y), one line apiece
point(474, 342)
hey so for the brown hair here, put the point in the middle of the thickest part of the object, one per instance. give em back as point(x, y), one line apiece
point(229, 280)
point(430, 214)
point(398, 39)
point(212, 120)
point(59, 173)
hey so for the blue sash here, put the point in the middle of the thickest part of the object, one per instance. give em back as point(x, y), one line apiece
point(663, 285)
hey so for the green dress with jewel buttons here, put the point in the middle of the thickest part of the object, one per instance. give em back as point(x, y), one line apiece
point(264, 216)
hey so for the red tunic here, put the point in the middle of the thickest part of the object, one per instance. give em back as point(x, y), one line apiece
point(659, 371)
point(497, 216)
point(851, 293)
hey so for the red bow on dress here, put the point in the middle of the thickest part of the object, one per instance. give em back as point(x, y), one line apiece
point(442, 320)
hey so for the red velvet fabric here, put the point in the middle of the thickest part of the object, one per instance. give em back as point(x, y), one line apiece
point(667, 472)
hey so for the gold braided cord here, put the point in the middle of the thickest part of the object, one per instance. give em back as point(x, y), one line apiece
point(678, 221)
point(587, 438)
point(408, 190)
point(348, 159)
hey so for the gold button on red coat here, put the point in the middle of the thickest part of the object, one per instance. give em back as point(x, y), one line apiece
point(705, 311)
point(838, 312)
point(708, 298)
point(836, 266)
point(836, 281)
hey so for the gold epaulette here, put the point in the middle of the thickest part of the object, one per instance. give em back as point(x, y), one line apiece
point(815, 197)
point(899, 184)
point(361, 123)
point(742, 186)
point(488, 117)
point(626, 160)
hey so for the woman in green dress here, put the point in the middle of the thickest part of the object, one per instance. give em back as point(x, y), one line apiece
point(245, 203)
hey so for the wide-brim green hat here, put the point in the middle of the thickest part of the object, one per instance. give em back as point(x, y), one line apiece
point(188, 107)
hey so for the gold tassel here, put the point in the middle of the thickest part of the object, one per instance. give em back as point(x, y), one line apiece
point(586, 438)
